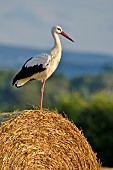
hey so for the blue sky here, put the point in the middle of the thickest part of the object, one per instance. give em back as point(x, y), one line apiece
point(28, 23)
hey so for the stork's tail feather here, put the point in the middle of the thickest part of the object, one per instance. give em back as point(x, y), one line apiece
point(19, 81)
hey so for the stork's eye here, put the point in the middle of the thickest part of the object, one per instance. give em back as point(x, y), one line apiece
point(59, 29)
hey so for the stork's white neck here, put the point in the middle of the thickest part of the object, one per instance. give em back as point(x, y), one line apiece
point(57, 42)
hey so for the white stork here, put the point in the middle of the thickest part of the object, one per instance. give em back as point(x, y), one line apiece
point(41, 66)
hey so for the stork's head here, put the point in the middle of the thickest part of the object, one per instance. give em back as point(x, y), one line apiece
point(59, 30)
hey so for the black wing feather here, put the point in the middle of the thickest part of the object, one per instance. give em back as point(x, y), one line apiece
point(28, 72)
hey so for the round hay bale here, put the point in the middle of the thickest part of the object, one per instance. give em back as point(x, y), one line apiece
point(36, 140)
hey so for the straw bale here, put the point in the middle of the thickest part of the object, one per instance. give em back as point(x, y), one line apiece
point(40, 140)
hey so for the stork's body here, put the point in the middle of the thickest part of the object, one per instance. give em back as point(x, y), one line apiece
point(41, 67)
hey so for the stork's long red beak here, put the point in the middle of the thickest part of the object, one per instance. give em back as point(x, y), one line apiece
point(65, 35)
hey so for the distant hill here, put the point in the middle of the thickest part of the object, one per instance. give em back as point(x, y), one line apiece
point(71, 63)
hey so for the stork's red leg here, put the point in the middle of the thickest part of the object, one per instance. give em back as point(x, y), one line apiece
point(42, 92)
